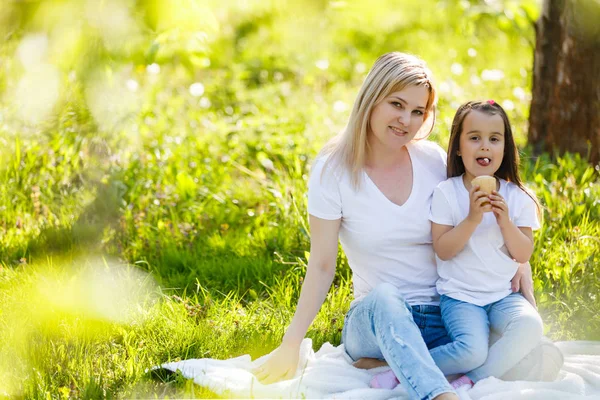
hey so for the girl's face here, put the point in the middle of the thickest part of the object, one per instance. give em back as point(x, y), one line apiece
point(397, 118)
point(481, 144)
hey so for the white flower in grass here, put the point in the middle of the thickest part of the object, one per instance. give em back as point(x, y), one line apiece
point(456, 69)
point(508, 105)
point(492, 74)
point(322, 64)
point(519, 93)
point(339, 106)
point(205, 103)
point(196, 89)
point(132, 85)
point(153, 69)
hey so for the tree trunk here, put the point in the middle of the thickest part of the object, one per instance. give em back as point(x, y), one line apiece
point(565, 107)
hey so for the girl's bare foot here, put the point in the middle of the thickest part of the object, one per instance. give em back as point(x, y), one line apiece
point(452, 377)
point(368, 363)
point(447, 396)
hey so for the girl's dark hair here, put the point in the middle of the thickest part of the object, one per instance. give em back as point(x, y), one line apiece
point(509, 169)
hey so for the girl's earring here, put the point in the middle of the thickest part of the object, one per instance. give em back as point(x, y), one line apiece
point(458, 153)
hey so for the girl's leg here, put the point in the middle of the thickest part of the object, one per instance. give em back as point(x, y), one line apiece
point(521, 328)
point(543, 363)
point(468, 328)
point(382, 326)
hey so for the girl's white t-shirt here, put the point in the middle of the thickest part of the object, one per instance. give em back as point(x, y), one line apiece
point(384, 242)
point(481, 272)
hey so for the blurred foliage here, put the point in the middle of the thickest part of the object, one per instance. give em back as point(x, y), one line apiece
point(178, 136)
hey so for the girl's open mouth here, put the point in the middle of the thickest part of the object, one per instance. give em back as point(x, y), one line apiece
point(484, 161)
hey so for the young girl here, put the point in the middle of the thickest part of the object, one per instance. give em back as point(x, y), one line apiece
point(479, 240)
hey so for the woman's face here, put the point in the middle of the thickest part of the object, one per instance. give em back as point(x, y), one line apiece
point(395, 121)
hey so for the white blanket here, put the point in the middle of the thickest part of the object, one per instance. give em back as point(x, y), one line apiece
point(328, 373)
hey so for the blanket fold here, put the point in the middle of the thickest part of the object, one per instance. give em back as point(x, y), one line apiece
point(328, 373)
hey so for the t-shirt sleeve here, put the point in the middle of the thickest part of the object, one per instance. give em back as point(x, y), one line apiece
point(324, 199)
point(526, 216)
point(434, 157)
point(441, 212)
point(443, 157)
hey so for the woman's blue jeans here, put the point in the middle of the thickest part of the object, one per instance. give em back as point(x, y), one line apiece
point(383, 325)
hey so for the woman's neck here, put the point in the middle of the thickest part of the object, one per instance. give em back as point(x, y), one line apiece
point(386, 159)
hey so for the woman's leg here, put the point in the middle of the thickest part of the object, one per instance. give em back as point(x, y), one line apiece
point(468, 328)
point(521, 328)
point(382, 326)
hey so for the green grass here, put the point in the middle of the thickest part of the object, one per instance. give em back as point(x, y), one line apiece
point(203, 199)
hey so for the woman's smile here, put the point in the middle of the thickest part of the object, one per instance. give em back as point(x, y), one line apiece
point(398, 131)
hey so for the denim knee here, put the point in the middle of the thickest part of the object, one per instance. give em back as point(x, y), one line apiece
point(530, 326)
point(472, 354)
point(387, 297)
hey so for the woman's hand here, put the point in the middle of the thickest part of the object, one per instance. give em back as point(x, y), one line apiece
point(523, 282)
point(479, 203)
point(281, 364)
point(500, 209)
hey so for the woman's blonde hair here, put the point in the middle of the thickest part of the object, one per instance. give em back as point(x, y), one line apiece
point(391, 72)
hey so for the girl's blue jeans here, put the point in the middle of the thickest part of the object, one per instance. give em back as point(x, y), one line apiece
point(384, 326)
point(469, 325)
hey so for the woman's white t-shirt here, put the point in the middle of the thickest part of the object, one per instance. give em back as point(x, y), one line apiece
point(384, 242)
point(481, 272)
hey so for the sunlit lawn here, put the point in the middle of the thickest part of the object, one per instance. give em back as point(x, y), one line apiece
point(155, 165)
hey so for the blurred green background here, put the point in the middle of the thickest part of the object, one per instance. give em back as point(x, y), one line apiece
point(169, 141)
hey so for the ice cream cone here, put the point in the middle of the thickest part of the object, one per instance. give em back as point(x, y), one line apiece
point(486, 183)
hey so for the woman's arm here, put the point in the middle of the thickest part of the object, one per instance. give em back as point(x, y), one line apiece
point(283, 362)
point(523, 282)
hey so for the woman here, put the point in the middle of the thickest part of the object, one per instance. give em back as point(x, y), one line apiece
point(371, 187)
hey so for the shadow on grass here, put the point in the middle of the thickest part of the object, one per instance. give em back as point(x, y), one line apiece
point(168, 384)
point(178, 268)
point(85, 235)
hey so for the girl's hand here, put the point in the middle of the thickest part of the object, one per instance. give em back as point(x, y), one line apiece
point(479, 203)
point(281, 365)
point(500, 209)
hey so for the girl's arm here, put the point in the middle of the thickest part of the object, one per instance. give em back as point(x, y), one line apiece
point(449, 240)
point(283, 362)
point(518, 240)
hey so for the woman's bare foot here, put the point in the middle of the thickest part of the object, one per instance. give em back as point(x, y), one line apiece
point(368, 363)
point(447, 396)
